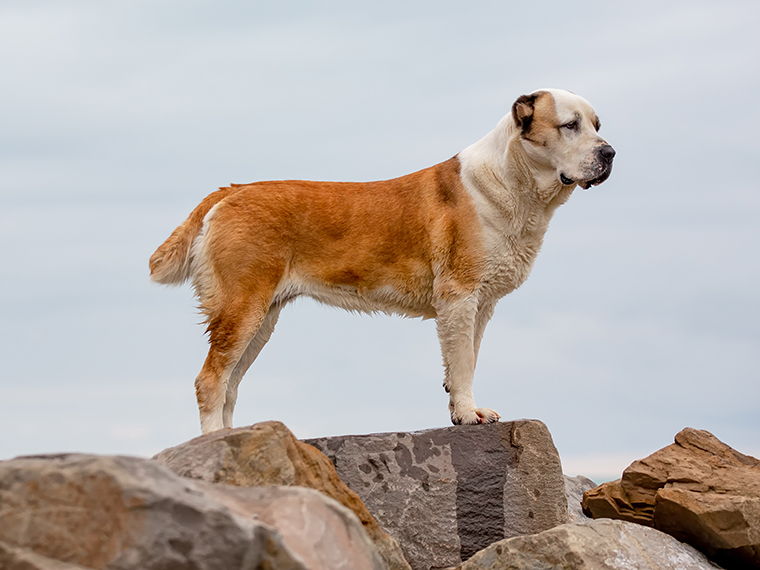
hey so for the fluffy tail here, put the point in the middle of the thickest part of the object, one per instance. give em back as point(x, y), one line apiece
point(170, 264)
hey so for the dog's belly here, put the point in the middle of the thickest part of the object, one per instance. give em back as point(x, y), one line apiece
point(384, 299)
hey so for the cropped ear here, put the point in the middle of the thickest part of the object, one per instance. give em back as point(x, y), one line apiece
point(522, 111)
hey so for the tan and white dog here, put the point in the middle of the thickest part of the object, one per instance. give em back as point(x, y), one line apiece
point(446, 243)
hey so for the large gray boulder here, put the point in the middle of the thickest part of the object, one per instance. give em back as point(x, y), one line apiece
point(595, 545)
point(447, 493)
point(574, 489)
point(125, 513)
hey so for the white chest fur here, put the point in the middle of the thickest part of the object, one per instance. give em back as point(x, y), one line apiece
point(514, 213)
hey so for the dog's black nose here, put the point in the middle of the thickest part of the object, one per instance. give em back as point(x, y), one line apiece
point(607, 152)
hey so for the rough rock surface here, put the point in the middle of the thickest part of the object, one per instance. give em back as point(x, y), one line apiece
point(324, 533)
point(445, 494)
point(15, 558)
point(699, 490)
point(269, 454)
point(125, 513)
point(574, 489)
point(593, 545)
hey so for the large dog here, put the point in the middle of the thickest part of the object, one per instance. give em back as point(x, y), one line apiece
point(445, 243)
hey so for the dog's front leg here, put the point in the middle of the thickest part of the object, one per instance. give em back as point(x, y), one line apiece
point(456, 323)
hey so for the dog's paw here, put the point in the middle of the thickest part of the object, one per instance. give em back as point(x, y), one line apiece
point(476, 416)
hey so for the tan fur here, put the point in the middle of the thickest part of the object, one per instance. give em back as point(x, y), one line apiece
point(445, 242)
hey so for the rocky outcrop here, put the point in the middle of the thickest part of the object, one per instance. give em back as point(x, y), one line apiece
point(445, 494)
point(698, 490)
point(470, 497)
point(70, 511)
point(594, 545)
point(574, 489)
point(269, 454)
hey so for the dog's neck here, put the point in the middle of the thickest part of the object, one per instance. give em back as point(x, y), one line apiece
point(500, 175)
point(533, 180)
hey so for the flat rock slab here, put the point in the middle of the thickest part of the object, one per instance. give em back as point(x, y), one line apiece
point(594, 545)
point(447, 493)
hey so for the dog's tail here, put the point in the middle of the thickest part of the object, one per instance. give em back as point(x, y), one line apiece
point(170, 264)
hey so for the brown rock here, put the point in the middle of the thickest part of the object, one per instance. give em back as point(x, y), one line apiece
point(267, 454)
point(15, 558)
point(609, 500)
point(698, 490)
point(322, 532)
point(124, 513)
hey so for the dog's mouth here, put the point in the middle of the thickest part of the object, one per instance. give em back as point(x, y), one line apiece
point(586, 184)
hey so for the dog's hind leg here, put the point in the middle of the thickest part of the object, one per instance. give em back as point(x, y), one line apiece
point(249, 355)
point(231, 330)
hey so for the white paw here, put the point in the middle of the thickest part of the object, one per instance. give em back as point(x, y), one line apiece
point(476, 416)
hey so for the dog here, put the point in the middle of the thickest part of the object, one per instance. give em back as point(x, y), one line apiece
point(443, 243)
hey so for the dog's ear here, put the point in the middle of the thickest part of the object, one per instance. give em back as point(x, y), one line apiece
point(522, 111)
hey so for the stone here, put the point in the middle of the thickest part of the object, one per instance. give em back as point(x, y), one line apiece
point(267, 454)
point(445, 494)
point(574, 489)
point(595, 545)
point(125, 513)
point(322, 532)
point(15, 558)
point(699, 490)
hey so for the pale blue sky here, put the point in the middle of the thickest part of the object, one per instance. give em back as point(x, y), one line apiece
point(640, 318)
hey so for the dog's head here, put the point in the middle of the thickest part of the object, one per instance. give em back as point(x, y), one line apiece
point(560, 131)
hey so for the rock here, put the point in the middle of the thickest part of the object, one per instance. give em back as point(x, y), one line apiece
point(269, 454)
point(15, 558)
point(445, 494)
point(125, 513)
point(699, 490)
point(325, 534)
point(594, 545)
point(574, 489)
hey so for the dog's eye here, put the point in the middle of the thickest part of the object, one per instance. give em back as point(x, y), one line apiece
point(571, 126)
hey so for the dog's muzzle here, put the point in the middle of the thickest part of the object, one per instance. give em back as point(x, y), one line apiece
point(604, 156)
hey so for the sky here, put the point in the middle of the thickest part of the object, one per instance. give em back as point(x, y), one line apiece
point(640, 317)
